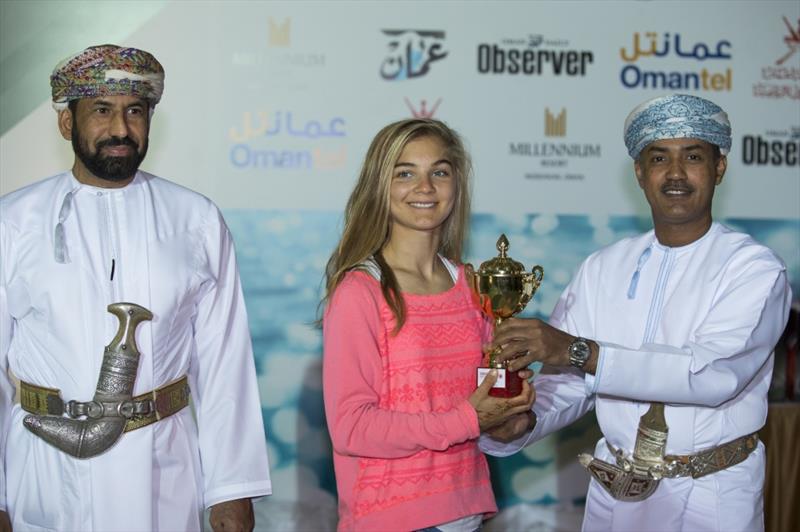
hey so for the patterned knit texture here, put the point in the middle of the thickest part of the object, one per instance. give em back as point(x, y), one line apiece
point(428, 368)
point(108, 70)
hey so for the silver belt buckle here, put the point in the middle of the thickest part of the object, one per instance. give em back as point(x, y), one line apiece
point(98, 409)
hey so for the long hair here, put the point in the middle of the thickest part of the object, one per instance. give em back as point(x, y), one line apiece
point(367, 217)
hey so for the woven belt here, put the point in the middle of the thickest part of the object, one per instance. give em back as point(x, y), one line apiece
point(704, 462)
point(141, 410)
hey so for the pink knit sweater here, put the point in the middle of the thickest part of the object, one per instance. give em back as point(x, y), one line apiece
point(404, 435)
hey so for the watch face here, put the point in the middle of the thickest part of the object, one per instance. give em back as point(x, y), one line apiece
point(579, 352)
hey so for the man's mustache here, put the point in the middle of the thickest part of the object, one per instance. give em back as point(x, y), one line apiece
point(117, 141)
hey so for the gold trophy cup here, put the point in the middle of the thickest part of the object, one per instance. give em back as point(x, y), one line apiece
point(502, 288)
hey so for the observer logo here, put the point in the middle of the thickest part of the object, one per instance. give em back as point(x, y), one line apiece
point(774, 148)
point(533, 56)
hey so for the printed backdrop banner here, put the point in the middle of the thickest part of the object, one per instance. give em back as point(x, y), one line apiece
point(269, 107)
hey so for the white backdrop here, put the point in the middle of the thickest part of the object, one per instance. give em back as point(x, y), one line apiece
point(269, 108)
point(233, 66)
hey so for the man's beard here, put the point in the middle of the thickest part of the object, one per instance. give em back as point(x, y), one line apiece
point(118, 168)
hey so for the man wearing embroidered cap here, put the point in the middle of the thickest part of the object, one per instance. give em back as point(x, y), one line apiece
point(105, 233)
point(668, 336)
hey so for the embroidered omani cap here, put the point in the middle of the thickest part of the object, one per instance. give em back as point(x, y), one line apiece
point(107, 70)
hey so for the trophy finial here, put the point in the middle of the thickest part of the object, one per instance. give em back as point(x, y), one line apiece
point(502, 245)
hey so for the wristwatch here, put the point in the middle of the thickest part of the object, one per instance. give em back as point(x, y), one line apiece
point(579, 352)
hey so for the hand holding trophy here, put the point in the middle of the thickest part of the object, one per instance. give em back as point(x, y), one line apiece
point(502, 288)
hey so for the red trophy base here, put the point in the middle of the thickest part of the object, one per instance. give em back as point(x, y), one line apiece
point(508, 382)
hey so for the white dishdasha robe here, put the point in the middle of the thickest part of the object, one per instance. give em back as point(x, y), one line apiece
point(695, 329)
point(172, 254)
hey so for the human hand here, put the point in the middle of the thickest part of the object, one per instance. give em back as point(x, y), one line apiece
point(523, 341)
point(5, 522)
point(513, 427)
point(232, 516)
point(525, 374)
point(493, 411)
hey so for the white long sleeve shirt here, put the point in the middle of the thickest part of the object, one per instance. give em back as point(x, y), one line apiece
point(170, 252)
point(693, 327)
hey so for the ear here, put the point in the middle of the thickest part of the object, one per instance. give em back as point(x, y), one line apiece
point(722, 165)
point(639, 173)
point(65, 121)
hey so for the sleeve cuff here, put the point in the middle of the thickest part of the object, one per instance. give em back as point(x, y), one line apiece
point(499, 449)
point(245, 490)
point(593, 381)
point(470, 418)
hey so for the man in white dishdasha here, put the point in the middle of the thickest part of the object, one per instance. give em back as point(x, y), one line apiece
point(669, 336)
point(72, 246)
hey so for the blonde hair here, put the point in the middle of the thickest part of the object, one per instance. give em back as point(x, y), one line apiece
point(367, 216)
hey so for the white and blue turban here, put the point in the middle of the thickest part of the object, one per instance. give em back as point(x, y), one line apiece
point(678, 116)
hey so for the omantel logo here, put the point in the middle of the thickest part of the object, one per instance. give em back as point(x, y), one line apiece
point(651, 48)
point(268, 140)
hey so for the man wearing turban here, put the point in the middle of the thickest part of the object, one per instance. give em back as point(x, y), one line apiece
point(102, 233)
point(668, 336)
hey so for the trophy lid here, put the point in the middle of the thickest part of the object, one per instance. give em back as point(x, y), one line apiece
point(502, 265)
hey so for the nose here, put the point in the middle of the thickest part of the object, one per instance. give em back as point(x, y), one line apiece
point(676, 169)
point(118, 126)
point(425, 184)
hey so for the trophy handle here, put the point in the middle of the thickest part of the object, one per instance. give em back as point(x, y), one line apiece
point(530, 283)
point(537, 274)
point(472, 282)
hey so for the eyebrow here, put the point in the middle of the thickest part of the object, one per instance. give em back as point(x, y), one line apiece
point(107, 103)
point(440, 161)
point(682, 148)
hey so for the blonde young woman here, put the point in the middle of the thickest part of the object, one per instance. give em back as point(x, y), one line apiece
point(402, 339)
